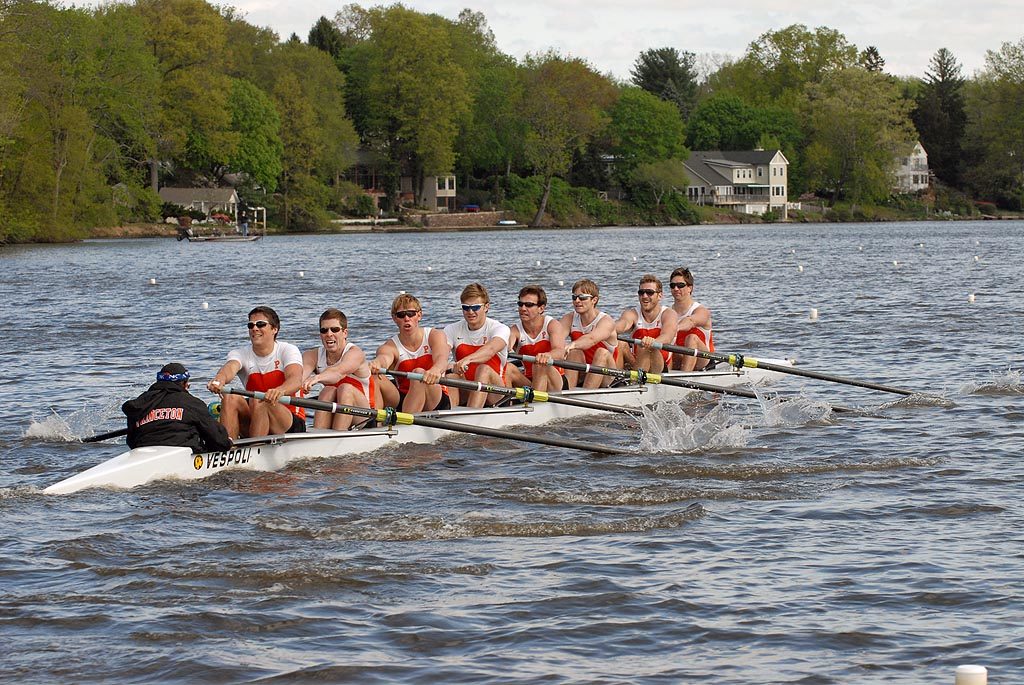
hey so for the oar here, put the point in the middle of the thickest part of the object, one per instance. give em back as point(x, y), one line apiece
point(527, 395)
point(654, 378)
point(106, 436)
point(390, 416)
point(739, 361)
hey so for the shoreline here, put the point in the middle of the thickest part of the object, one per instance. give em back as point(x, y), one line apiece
point(154, 230)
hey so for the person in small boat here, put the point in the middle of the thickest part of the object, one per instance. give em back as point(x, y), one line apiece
point(479, 345)
point(415, 349)
point(593, 336)
point(540, 335)
point(168, 415)
point(693, 328)
point(266, 365)
point(651, 322)
point(341, 367)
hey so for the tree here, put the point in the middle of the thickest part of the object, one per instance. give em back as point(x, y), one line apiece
point(661, 177)
point(940, 116)
point(994, 139)
point(644, 129)
point(259, 151)
point(871, 60)
point(669, 74)
point(564, 106)
point(779, 64)
point(858, 126)
point(325, 36)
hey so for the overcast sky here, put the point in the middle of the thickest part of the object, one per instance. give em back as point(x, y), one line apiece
point(610, 34)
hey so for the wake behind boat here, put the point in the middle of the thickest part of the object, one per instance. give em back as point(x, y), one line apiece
point(274, 452)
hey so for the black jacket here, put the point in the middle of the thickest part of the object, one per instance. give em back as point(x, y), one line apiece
point(167, 414)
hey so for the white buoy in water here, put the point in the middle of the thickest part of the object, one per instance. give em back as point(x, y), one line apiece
point(792, 251)
point(634, 259)
point(302, 274)
point(401, 292)
point(430, 268)
point(860, 248)
point(970, 298)
point(718, 254)
point(152, 281)
point(977, 258)
point(895, 262)
point(970, 674)
point(920, 244)
point(561, 283)
point(538, 263)
point(814, 315)
point(800, 268)
point(206, 305)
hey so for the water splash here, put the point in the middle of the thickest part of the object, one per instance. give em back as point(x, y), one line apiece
point(1009, 382)
point(667, 427)
point(77, 425)
point(783, 412)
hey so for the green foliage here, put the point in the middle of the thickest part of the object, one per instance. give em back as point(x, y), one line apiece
point(670, 75)
point(255, 118)
point(994, 140)
point(644, 130)
point(857, 126)
point(941, 118)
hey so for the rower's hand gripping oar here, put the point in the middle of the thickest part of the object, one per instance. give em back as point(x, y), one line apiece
point(739, 361)
point(390, 417)
point(654, 378)
point(526, 395)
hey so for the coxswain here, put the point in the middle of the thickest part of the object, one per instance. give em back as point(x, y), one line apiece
point(341, 367)
point(415, 349)
point(167, 414)
point(266, 365)
point(540, 335)
point(693, 328)
point(479, 345)
point(650, 323)
point(592, 334)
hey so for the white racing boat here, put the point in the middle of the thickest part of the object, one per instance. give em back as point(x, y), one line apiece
point(274, 452)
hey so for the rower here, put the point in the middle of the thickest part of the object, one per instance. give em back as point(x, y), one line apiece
point(693, 328)
point(479, 345)
point(651, 323)
point(341, 367)
point(416, 349)
point(266, 365)
point(593, 336)
point(167, 414)
point(540, 335)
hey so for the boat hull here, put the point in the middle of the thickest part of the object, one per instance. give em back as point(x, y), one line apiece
point(274, 452)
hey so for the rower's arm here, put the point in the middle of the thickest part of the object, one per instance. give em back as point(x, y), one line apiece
point(604, 330)
point(440, 351)
point(626, 322)
point(385, 358)
point(557, 335)
point(224, 376)
point(349, 363)
point(669, 325)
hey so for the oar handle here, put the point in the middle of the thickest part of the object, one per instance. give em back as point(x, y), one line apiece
point(741, 361)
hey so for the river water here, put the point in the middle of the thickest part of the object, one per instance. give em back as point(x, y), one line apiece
point(730, 542)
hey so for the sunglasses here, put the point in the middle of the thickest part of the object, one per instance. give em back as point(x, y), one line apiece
point(649, 292)
point(257, 324)
point(528, 305)
point(471, 307)
point(406, 314)
point(332, 329)
point(582, 296)
point(678, 285)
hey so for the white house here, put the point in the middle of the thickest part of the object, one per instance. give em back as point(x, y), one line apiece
point(748, 181)
point(206, 200)
point(912, 171)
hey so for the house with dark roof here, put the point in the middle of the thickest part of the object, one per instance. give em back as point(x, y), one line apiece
point(206, 200)
point(748, 181)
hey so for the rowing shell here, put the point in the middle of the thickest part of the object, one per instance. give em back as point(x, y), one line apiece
point(274, 452)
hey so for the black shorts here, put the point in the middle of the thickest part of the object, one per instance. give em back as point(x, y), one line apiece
point(444, 403)
point(298, 425)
